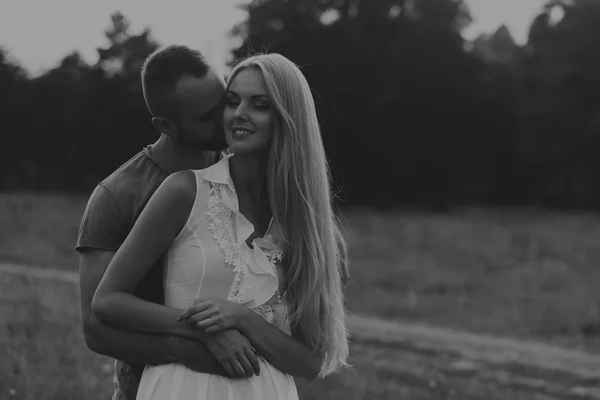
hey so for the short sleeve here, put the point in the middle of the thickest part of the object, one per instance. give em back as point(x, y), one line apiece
point(103, 226)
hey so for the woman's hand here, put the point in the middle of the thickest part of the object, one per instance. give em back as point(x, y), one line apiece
point(214, 314)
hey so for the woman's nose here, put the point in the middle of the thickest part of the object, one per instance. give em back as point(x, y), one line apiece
point(241, 112)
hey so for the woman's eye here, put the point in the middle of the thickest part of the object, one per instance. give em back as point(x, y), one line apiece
point(261, 106)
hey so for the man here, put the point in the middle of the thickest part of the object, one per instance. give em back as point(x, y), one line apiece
point(185, 96)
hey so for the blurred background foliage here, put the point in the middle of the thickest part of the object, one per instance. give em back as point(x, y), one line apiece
point(412, 114)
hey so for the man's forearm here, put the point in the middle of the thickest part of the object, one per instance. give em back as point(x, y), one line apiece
point(150, 349)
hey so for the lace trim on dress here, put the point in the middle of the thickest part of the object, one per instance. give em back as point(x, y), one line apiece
point(221, 227)
point(274, 256)
point(267, 310)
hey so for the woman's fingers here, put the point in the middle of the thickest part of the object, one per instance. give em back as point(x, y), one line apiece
point(213, 323)
point(201, 316)
point(195, 309)
point(216, 327)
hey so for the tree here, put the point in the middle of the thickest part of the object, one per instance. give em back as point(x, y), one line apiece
point(395, 87)
point(559, 135)
point(126, 52)
point(59, 101)
point(14, 95)
point(120, 123)
point(77, 122)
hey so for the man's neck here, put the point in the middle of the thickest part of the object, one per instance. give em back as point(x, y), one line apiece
point(172, 158)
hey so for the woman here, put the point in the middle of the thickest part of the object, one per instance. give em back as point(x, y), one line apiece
point(252, 243)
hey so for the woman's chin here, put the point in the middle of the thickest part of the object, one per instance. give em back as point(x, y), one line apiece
point(236, 148)
point(244, 149)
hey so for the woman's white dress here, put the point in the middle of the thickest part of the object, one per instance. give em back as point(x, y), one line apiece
point(210, 258)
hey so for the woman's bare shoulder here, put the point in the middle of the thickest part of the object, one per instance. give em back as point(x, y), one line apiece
point(177, 193)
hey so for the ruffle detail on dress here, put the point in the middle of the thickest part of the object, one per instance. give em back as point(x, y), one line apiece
point(255, 281)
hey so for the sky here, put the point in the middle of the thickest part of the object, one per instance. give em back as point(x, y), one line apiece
point(38, 33)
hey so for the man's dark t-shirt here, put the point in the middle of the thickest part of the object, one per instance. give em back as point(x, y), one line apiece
point(111, 212)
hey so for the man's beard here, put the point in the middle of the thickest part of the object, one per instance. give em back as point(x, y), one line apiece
point(216, 142)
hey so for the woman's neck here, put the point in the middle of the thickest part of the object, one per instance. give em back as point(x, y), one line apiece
point(249, 175)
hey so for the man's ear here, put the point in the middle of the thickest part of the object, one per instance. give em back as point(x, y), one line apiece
point(163, 125)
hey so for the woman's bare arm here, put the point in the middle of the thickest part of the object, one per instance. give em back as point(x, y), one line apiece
point(153, 233)
point(289, 354)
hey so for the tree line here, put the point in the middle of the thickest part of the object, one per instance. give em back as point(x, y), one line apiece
point(411, 113)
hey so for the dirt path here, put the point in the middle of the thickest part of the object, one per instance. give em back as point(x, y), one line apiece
point(441, 363)
point(473, 365)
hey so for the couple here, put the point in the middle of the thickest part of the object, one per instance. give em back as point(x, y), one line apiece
point(217, 277)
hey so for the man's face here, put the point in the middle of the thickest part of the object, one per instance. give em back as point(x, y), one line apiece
point(200, 101)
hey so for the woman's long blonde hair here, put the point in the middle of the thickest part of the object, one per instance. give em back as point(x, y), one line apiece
point(302, 205)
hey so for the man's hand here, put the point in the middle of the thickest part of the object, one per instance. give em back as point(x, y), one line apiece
point(234, 352)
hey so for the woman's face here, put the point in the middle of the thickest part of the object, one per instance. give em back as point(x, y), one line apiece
point(249, 113)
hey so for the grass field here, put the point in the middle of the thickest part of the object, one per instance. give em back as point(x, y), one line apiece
point(523, 274)
point(43, 355)
point(526, 274)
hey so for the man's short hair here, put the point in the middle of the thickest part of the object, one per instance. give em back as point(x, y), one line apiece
point(161, 72)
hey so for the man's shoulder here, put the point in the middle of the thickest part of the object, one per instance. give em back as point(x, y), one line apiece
point(117, 201)
point(138, 177)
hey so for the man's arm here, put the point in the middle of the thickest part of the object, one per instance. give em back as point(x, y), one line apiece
point(129, 346)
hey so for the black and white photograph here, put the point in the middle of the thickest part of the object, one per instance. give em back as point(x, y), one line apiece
point(300, 200)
